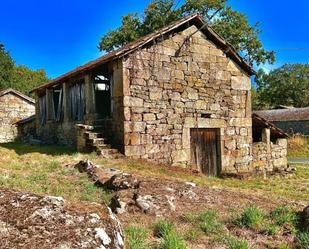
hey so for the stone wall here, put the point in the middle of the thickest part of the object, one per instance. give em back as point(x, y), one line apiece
point(182, 83)
point(268, 157)
point(12, 109)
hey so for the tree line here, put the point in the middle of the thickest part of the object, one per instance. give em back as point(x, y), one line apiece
point(19, 77)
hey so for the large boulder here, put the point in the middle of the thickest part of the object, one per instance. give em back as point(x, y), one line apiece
point(32, 221)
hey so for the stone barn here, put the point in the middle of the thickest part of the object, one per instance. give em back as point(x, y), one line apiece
point(14, 106)
point(179, 96)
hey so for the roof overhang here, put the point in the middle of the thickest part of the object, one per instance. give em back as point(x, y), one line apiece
point(19, 94)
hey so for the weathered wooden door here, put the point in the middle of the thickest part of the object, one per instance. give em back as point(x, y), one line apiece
point(205, 150)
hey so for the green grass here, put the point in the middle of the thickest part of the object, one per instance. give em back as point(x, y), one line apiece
point(136, 237)
point(209, 223)
point(172, 240)
point(252, 217)
point(303, 240)
point(298, 147)
point(284, 215)
point(162, 227)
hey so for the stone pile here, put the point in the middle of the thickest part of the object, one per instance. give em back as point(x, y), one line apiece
point(32, 221)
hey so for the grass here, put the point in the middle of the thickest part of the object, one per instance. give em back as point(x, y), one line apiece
point(136, 237)
point(252, 217)
point(209, 223)
point(298, 146)
point(303, 240)
point(233, 243)
point(42, 170)
point(284, 215)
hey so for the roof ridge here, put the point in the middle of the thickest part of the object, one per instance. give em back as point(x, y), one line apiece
point(20, 94)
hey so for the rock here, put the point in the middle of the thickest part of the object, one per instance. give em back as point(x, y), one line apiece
point(145, 203)
point(192, 184)
point(305, 218)
point(121, 181)
point(171, 202)
point(189, 194)
point(45, 221)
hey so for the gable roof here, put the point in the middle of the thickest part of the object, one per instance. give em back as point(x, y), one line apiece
point(258, 123)
point(19, 94)
point(194, 19)
point(291, 114)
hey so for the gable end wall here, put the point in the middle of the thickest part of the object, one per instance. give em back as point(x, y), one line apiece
point(12, 109)
point(171, 87)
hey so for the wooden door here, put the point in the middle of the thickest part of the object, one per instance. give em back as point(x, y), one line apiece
point(205, 150)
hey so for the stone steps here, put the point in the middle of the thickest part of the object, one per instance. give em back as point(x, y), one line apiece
point(98, 138)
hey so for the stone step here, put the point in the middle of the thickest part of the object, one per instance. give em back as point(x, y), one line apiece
point(93, 135)
point(97, 141)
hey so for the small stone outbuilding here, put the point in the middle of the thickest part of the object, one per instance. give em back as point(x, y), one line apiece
point(14, 106)
point(179, 96)
point(291, 120)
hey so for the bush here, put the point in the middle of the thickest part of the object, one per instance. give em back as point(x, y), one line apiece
point(252, 217)
point(136, 237)
point(162, 227)
point(209, 223)
point(233, 243)
point(303, 240)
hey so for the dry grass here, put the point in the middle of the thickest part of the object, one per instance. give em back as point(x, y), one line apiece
point(48, 170)
point(298, 146)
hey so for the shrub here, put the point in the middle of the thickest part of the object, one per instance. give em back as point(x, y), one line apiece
point(303, 240)
point(252, 217)
point(136, 237)
point(233, 243)
point(209, 222)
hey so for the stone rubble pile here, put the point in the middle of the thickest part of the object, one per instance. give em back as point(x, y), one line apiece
point(32, 221)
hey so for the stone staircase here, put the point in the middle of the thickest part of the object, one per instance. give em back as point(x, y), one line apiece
point(98, 138)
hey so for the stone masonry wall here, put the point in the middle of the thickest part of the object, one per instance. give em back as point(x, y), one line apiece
point(182, 83)
point(269, 157)
point(12, 109)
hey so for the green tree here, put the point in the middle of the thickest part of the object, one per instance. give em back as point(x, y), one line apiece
point(232, 25)
point(287, 85)
point(18, 77)
point(6, 67)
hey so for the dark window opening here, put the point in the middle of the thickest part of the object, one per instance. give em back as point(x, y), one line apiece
point(58, 102)
point(205, 115)
point(102, 91)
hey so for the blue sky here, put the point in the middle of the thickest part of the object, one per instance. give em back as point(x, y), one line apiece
point(59, 35)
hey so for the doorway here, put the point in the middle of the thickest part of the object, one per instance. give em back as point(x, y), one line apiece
point(205, 150)
point(102, 91)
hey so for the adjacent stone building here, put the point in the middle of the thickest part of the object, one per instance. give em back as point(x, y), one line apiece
point(291, 120)
point(179, 96)
point(14, 106)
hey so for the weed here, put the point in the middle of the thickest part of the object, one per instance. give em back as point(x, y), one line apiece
point(162, 227)
point(303, 240)
point(252, 217)
point(136, 237)
point(234, 243)
point(209, 223)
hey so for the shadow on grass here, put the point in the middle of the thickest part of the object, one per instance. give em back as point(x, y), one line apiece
point(54, 150)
